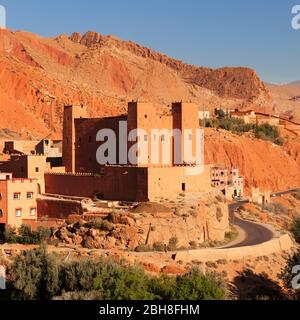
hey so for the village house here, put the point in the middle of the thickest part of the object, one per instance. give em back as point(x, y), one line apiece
point(228, 181)
point(17, 200)
point(27, 167)
point(257, 118)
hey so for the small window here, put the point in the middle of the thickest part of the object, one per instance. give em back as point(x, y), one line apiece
point(183, 187)
point(145, 138)
point(29, 195)
point(18, 212)
point(163, 138)
point(17, 196)
point(37, 169)
point(0, 196)
point(154, 137)
point(33, 211)
point(190, 137)
point(1, 213)
point(146, 116)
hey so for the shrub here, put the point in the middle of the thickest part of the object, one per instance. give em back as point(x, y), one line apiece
point(111, 216)
point(107, 226)
point(99, 224)
point(173, 242)
point(197, 286)
point(10, 234)
point(35, 274)
point(276, 208)
point(25, 235)
point(94, 224)
point(269, 133)
point(159, 246)
point(193, 245)
point(264, 131)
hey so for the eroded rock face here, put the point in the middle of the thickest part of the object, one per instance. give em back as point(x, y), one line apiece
point(199, 220)
point(39, 75)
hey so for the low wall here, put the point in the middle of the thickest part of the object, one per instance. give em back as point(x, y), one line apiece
point(284, 243)
point(58, 209)
point(43, 223)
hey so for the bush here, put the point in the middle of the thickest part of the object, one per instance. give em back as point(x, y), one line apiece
point(99, 224)
point(159, 246)
point(10, 235)
point(264, 131)
point(94, 224)
point(173, 242)
point(276, 208)
point(269, 133)
point(25, 235)
point(35, 274)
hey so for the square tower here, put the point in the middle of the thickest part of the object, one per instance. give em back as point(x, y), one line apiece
point(69, 134)
point(185, 119)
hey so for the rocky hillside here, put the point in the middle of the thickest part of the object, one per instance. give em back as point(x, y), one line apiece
point(263, 164)
point(286, 98)
point(39, 75)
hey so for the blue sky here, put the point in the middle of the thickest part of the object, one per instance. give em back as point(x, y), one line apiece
point(212, 33)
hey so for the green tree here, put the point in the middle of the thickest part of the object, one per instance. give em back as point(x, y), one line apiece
point(35, 275)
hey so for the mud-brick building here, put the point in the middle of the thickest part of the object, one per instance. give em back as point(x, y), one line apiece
point(17, 200)
point(140, 180)
point(227, 180)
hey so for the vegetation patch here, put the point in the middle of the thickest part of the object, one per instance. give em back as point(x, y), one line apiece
point(25, 235)
point(238, 126)
point(38, 275)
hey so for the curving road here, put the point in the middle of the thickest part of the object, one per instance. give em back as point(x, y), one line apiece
point(253, 234)
point(250, 233)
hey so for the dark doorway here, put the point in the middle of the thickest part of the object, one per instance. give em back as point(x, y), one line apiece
point(183, 187)
point(2, 232)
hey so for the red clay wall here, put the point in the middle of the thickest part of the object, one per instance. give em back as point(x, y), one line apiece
point(57, 209)
point(114, 183)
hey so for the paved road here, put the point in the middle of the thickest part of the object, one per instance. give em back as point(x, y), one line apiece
point(253, 233)
point(278, 194)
